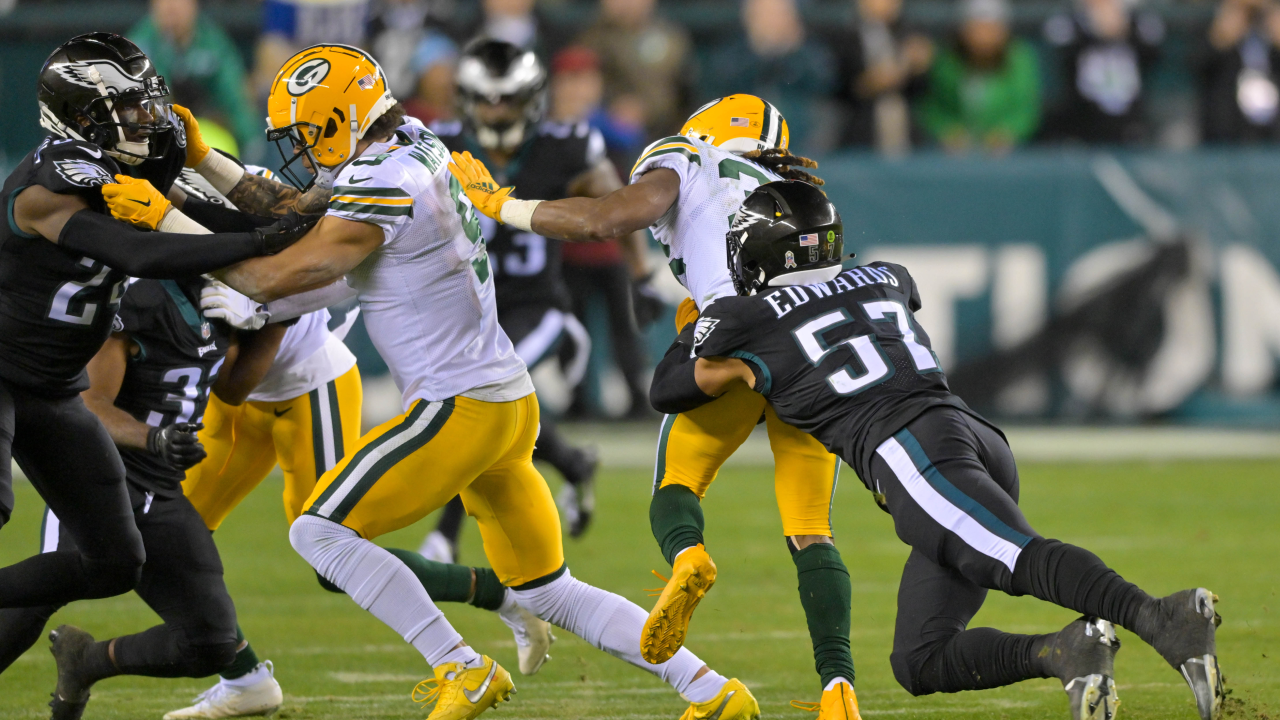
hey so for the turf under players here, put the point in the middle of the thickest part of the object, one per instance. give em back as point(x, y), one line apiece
point(404, 236)
point(839, 354)
point(687, 188)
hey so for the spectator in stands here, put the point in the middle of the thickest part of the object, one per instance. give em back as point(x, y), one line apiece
point(194, 54)
point(1239, 95)
point(598, 272)
point(776, 60)
point(985, 91)
point(645, 61)
point(416, 55)
point(512, 21)
point(433, 63)
point(1106, 50)
point(291, 25)
point(881, 69)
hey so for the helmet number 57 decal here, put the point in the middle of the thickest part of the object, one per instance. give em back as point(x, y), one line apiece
point(308, 76)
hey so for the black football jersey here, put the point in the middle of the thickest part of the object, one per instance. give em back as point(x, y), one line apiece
point(168, 381)
point(527, 266)
point(56, 307)
point(844, 360)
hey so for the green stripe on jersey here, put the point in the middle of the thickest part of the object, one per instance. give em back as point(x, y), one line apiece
point(369, 209)
point(359, 191)
point(674, 139)
point(693, 156)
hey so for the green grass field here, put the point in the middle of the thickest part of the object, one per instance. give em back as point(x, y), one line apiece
point(1164, 526)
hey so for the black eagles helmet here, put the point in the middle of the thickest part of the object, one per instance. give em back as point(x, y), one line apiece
point(494, 72)
point(101, 88)
point(786, 232)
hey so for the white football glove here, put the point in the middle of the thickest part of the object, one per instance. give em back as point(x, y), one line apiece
point(219, 302)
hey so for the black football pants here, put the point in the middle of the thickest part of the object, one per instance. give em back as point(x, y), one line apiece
point(181, 581)
point(69, 458)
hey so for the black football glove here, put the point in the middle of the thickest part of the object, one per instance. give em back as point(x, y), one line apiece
point(646, 304)
point(177, 445)
point(285, 231)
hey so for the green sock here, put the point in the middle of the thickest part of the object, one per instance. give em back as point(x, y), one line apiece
point(246, 659)
point(452, 583)
point(826, 595)
point(675, 515)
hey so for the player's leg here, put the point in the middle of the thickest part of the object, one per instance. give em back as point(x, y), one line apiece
point(71, 461)
point(312, 434)
point(20, 628)
point(805, 477)
point(521, 531)
point(237, 439)
point(950, 483)
point(441, 544)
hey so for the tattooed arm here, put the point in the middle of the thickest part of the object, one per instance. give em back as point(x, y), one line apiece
point(260, 196)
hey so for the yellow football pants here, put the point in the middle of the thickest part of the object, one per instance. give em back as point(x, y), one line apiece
point(693, 445)
point(413, 464)
point(306, 436)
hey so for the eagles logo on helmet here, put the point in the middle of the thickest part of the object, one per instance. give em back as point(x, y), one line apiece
point(501, 92)
point(776, 222)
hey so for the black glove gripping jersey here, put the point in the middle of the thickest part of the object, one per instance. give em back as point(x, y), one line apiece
point(844, 361)
point(56, 306)
point(168, 381)
point(527, 266)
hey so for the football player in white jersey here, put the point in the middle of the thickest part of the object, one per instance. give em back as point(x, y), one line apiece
point(407, 241)
point(687, 189)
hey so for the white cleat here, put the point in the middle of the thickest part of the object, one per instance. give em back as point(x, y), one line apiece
point(223, 700)
point(436, 547)
point(533, 635)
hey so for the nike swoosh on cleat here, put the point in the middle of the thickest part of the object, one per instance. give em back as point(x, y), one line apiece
point(724, 703)
point(143, 204)
point(479, 692)
point(281, 414)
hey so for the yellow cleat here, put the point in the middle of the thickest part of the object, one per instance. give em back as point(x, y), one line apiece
point(663, 634)
point(461, 693)
point(735, 702)
point(838, 703)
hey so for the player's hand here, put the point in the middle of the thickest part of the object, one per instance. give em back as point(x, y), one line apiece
point(479, 186)
point(646, 303)
point(285, 231)
point(177, 445)
point(136, 201)
point(197, 148)
point(219, 301)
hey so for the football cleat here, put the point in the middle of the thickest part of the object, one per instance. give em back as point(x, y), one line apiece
point(692, 576)
point(224, 700)
point(438, 548)
point(733, 702)
point(1082, 655)
point(578, 496)
point(533, 636)
point(1185, 624)
point(461, 693)
point(69, 645)
point(838, 703)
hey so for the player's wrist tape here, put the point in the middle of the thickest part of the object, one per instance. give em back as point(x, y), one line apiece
point(153, 441)
point(221, 171)
point(519, 213)
point(175, 222)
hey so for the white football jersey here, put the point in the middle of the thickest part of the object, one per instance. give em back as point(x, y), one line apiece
point(427, 293)
point(713, 184)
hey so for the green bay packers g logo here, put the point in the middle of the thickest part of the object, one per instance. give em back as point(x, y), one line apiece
point(308, 76)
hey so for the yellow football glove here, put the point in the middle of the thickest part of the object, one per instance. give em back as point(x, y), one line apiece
point(136, 201)
point(197, 148)
point(479, 186)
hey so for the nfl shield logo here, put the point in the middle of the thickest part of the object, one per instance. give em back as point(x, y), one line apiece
point(790, 260)
point(206, 330)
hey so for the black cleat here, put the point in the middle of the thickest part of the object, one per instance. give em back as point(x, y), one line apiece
point(1082, 655)
point(1184, 625)
point(578, 498)
point(69, 646)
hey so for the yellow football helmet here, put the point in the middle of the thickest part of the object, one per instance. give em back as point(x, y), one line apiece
point(322, 102)
point(739, 124)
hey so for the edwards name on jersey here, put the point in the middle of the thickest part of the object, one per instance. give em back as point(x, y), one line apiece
point(713, 184)
point(527, 266)
point(844, 360)
point(168, 381)
point(56, 307)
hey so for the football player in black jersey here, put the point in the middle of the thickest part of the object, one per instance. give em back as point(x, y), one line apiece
point(149, 385)
point(63, 264)
point(502, 100)
point(839, 354)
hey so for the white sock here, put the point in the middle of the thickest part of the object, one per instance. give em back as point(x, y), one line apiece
point(682, 552)
point(377, 581)
point(253, 677)
point(609, 622)
point(465, 655)
point(836, 681)
point(705, 688)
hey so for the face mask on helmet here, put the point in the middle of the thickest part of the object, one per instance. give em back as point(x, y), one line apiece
point(296, 144)
point(501, 93)
point(130, 124)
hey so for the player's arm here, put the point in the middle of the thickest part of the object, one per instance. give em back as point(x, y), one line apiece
point(579, 219)
point(682, 382)
point(176, 444)
point(600, 180)
point(329, 251)
point(254, 353)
